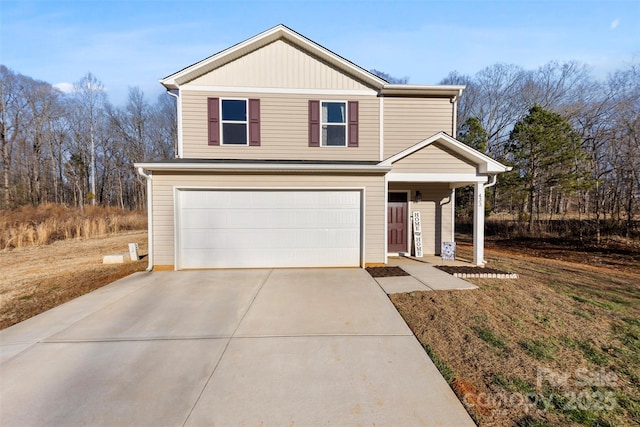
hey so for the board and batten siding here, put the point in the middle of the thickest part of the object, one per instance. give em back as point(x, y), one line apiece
point(163, 203)
point(434, 158)
point(279, 65)
point(407, 121)
point(284, 128)
point(435, 210)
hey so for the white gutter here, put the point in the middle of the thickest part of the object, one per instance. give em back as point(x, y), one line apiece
point(270, 167)
point(149, 216)
point(409, 89)
point(178, 149)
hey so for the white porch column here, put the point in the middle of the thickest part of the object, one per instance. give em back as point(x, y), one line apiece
point(453, 214)
point(478, 224)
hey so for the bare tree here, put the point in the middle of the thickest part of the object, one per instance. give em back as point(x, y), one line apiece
point(90, 95)
point(12, 105)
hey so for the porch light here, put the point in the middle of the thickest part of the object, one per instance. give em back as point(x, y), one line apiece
point(418, 196)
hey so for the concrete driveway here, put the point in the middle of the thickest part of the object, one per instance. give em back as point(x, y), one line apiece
point(225, 348)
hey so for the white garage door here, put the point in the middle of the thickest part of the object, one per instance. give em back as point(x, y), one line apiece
point(252, 229)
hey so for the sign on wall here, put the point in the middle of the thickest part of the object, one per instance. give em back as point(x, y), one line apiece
point(417, 234)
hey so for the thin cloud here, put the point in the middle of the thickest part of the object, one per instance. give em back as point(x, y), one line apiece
point(615, 23)
point(64, 87)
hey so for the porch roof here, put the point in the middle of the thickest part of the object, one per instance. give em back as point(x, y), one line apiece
point(486, 165)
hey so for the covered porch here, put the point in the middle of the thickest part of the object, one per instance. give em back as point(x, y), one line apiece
point(423, 180)
point(435, 201)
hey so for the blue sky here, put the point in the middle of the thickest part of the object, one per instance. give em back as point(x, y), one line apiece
point(137, 42)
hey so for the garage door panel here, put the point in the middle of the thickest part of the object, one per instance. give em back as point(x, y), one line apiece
point(238, 258)
point(235, 229)
point(263, 218)
point(249, 240)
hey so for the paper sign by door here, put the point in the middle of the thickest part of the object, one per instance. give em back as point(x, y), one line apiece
point(448, 251)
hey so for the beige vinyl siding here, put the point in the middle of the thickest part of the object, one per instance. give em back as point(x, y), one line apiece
point(434, 158)
point(435, 212)
point(163, 203)
point(279, 65)
point(284, 128)
point(408, 121)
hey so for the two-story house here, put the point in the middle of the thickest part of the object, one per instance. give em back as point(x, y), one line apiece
point(291, 156)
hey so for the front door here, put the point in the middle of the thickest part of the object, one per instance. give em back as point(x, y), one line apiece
point(397, 213)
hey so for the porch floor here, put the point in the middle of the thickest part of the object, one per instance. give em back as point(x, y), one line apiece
point(423, 276)
point(428, 259)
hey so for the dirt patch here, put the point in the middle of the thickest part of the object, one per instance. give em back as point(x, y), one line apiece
point(559, 346)
point(453, 269)
point(37, 278)
point(386, 271)
point(619, 253)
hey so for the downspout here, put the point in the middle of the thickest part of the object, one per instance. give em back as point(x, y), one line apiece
point(453, 213)
point(492, 182)
point(177, 152)
point(148, 177)
point(454, 101)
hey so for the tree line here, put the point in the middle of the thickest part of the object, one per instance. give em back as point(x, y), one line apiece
point(573, 142)
point(77, 148)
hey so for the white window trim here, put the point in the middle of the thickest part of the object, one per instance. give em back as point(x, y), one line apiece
point(346, 123)
point(245, 122)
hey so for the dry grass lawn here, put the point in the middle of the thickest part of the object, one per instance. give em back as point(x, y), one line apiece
point(37, 278)
point(558, 346)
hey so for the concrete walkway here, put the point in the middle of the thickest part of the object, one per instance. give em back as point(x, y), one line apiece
point(423, 277)
point(227, 348)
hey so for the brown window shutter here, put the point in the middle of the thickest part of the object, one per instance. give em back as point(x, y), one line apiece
point(254, 122)
point(314, 123)
point(213, 111)
point(353, 123)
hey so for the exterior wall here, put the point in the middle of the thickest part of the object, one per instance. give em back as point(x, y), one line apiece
point(434, 158)
point(408, 121)
point(435, 212)
point(284, 128)
point(163, 203)
point(279, 65)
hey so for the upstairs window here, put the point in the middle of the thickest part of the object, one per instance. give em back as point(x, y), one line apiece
point(234, 121)
point(334, 124)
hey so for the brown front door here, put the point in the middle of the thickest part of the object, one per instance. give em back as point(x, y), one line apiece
point(397, 222)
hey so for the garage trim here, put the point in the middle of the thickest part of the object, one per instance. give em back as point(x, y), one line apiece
point(177, 208)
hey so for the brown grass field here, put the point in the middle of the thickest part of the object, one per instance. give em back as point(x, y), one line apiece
point(40, 225)
point(37, 278)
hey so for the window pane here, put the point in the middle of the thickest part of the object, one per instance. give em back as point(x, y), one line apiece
point(334, 135)
point(333, 112)
point(234, 133)
point(233, 109)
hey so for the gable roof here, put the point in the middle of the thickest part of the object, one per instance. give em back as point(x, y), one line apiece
point(276, 33)
point(282, 32)
point(485, 163)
